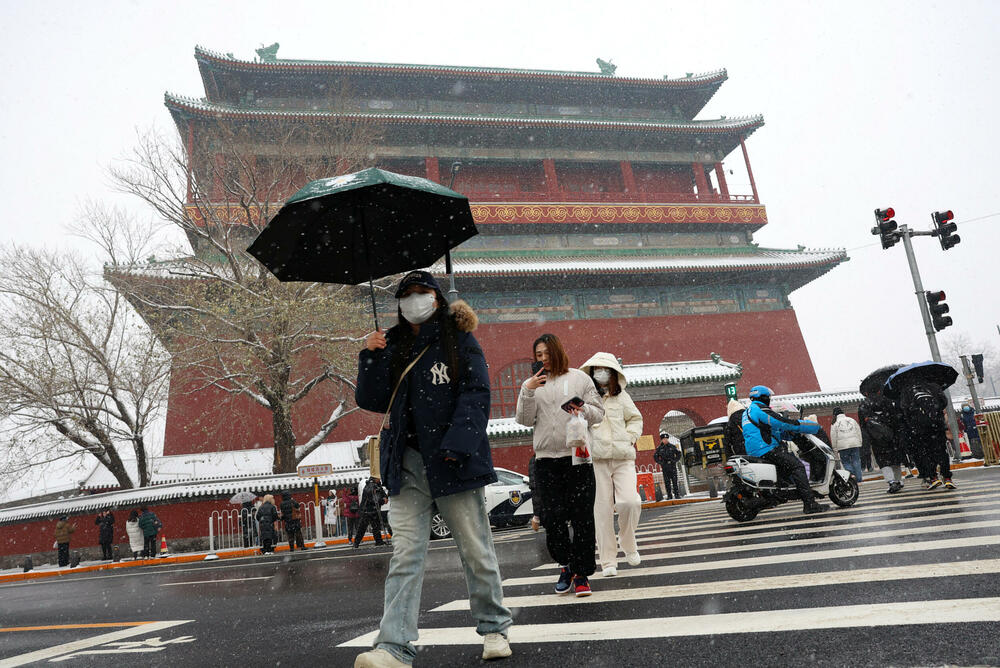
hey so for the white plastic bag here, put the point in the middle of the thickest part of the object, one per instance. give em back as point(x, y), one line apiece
point(578, 439)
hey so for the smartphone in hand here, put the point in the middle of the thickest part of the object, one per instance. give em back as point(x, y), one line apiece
point(536, 367)
point(575, 402)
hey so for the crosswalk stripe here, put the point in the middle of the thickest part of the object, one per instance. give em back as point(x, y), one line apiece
point(738, 531)
point(729, 549)
point(763, 560)
point(967, 610)
point(770, 583)
point(844, 525)
point(714, 513)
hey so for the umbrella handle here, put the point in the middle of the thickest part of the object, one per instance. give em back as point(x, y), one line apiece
point(371, 291)
point(371, 286)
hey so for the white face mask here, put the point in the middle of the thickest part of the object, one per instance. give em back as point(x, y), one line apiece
point(418, 307)
point(602, 376)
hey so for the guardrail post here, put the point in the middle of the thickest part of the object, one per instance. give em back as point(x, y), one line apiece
point(319, 527)
point(211, 556)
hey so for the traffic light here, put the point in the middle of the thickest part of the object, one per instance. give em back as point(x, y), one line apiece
point(937, 309)
point(977, 364)
point(885, 227)
point(945, 230)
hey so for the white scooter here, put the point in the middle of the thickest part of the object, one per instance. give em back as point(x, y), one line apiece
point(754, 484)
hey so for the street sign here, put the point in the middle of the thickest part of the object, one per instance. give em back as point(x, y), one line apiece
point(313, 470)
point(730, 390)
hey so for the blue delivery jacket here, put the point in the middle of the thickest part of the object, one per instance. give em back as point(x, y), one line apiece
point(763, 429)
point(449, 419)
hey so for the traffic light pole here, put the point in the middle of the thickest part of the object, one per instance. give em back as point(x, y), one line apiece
point(905, 233)
point(967, 371)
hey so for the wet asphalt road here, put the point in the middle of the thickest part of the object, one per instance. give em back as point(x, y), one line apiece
point(905, 580)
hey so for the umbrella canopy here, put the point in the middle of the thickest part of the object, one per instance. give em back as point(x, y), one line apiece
point(353, 228)
point(242, 497)
point(928, 372)
point(872, 384)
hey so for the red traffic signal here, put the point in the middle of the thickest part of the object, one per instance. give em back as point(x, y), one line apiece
point(885, 227)
point(937, 310)
point(945, 229)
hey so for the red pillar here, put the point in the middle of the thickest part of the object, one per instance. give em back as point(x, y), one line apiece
point(433, 171)
point(720, 175)
point(628, 177)
point(700, 180)
point(190, 157)
point(220, 169)
point(746, 159)
point(551, 182)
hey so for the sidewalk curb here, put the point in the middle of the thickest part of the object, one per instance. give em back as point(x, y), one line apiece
point(173, 559)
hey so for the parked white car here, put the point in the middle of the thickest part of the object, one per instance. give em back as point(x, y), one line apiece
point(508, 502)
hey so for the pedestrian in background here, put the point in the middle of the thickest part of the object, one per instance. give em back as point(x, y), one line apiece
point(372, 499)
point(968, 421)
point(267, 515)
point(667, 456)
point(150, 525)
point(845, 436)
point(352, 508)
point(105, 522)
point(331, 513)
point(882, 430)
point(613, 452)
point(429, 376)
point(292, 517)
point(248, 523)
point(569, 488)
point(133, 531)
point(63, 532)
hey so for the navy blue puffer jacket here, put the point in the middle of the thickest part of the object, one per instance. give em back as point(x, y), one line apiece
point(449, 418)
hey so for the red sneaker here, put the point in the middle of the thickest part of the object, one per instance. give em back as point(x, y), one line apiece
point(581, 586)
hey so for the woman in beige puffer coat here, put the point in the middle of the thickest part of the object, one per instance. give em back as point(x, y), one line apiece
point(613, 452)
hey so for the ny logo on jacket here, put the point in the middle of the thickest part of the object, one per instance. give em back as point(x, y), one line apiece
point(439, 374)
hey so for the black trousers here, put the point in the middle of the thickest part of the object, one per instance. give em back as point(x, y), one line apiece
point(265, 546)
point(373, 520)
point(791, 468)
point(106, 551)
point(569, 512)
point(64, 554)
point(670, 481)
point(929, 449)
point(293, 530)
point(149, 547)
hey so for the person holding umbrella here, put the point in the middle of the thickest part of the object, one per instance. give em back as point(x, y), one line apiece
point(428, 373)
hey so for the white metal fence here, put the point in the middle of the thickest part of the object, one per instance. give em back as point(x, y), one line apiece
point(236, 528)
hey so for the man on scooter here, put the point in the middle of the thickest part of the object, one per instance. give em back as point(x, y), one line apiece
point(763, 431)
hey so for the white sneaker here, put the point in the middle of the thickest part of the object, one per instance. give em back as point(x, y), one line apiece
point(495, 646)
point(633, 558)
point(609, 572)
point(378, 658)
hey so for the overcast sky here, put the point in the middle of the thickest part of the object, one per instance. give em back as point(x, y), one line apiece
point(866, 104)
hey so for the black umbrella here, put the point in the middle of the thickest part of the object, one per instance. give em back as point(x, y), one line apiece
point(872, 384)
point(927, 372)
point(358, 227)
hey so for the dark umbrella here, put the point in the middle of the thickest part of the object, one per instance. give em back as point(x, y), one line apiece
point(927, 372)
point(872, 384)
point(358, 227)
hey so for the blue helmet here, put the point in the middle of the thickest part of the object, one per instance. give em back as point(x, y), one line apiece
point(761, 393)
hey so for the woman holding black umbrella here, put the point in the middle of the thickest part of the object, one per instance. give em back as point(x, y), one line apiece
point(429, 375)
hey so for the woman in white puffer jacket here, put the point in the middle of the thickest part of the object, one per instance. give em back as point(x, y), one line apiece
point(613, 452)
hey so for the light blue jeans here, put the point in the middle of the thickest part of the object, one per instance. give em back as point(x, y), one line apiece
point(851, 459)
point(410, 515)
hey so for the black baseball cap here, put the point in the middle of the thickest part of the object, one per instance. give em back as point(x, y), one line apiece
point(417, 278)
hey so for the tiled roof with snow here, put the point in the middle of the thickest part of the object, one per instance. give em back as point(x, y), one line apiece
point(764, 259)
point(227, 60)
point(814, 400)
point(203, 107)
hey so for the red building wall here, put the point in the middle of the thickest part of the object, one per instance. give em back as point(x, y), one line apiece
point(768, 343)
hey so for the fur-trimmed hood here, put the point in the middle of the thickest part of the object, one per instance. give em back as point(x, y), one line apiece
point(465, 318)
